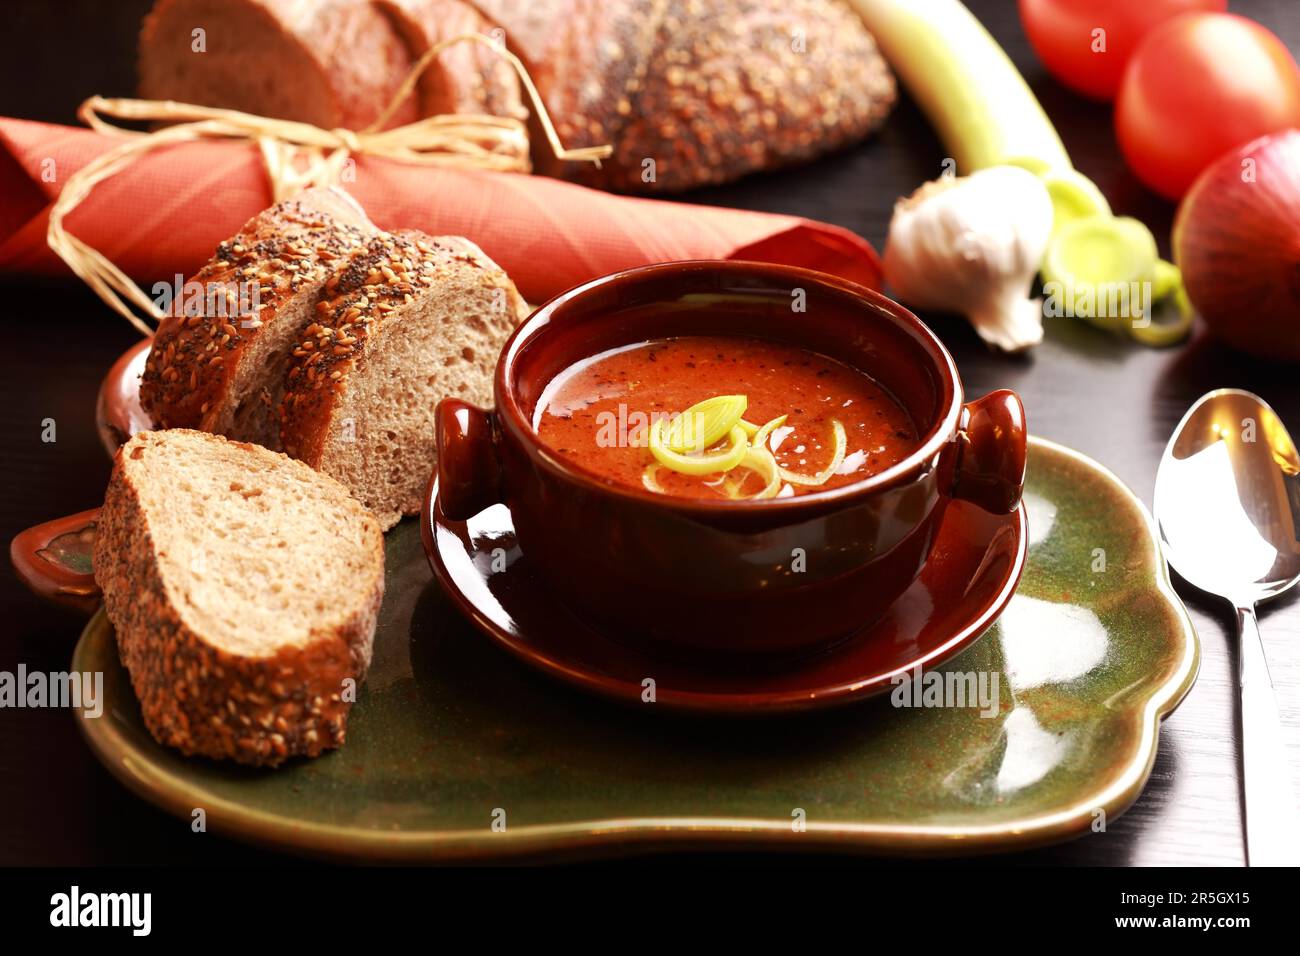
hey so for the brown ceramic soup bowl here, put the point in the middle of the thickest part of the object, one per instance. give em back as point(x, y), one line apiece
point(776, 576)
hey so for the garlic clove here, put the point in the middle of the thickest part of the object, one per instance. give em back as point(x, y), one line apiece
point(1012, 325)
point(972, 245)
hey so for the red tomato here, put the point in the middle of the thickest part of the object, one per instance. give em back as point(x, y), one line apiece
point(1196, 87)
point(1063, 34)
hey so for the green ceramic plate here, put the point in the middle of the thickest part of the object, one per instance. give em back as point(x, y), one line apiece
point(451, 735)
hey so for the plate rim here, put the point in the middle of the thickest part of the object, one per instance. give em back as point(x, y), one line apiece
point(620, 836)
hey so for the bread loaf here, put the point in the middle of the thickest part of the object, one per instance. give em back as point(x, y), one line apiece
point(244, 589)
point(464, 78)
point(590, 59)
point(220, 368)
point(325, 62)
point(410, 320)
point(738, 86)
point(688, 92)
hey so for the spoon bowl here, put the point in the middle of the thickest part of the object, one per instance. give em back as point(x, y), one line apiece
point(1228, 498)
point(1227, 507)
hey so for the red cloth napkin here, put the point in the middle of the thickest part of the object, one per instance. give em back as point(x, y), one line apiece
point(167, 212)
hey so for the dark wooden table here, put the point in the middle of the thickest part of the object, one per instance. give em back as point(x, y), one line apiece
point(1111, 399)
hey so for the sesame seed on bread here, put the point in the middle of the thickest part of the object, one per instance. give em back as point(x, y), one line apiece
point(806, 79)
point(220, 367)
point(244, 588)
point(409, 320)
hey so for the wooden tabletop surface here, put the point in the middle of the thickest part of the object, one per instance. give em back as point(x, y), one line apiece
point(1106, 397)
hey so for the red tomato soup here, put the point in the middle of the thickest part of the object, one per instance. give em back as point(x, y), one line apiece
point(598, 414)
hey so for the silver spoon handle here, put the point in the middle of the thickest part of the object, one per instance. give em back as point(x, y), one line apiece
point(1271, 829)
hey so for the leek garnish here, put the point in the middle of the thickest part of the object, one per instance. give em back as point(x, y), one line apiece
point(761, 462)
point(650, 478)
point(823, 476)
point(704, 423)
point(746, 449)
point(705, 464)
point(759, 438)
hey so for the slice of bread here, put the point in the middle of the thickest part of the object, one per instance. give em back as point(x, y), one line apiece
point(218, 361)
point(410, 320)
point(244, 589)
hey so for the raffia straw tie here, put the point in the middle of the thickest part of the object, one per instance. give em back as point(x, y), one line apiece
point(296, 156)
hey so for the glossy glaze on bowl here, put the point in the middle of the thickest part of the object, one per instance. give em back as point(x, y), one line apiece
point(780, 577)
point(976, 555)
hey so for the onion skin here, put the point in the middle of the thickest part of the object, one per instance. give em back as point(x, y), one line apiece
point(1238, 246)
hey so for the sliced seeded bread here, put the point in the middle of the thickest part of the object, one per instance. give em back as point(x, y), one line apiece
point(410, 320)
point(244, 589)
point(220, 367)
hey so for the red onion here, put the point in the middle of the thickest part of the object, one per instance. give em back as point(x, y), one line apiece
point(1237, 242)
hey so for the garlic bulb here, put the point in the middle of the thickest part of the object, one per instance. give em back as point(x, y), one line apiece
point(972, 245)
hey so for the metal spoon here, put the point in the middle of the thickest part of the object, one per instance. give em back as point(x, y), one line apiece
point(1228, 507)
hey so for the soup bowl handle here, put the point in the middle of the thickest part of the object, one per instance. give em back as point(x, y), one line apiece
point(469, 472)
point(991, 452)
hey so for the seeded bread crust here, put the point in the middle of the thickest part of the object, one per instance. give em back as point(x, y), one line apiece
point(194, 377)
point(387, 276)
point(588, 59)
point(201, 699)
point(327, 62)
point(708, 89)
point(465, 77)
point(779, 84)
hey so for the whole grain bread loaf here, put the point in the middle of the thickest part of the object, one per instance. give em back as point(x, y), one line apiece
point(410, 320)
point(737, 86)
point(688, 92)
point(590, 60)
point(325, 62)
point(244, 588)
point(218, 361)
point(464, 78)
